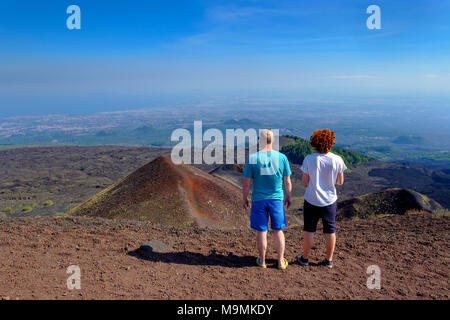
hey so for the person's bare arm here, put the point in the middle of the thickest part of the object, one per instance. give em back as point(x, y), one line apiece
point(340, 179)
point(305, 179)
point(287, 191)
point(245, 191)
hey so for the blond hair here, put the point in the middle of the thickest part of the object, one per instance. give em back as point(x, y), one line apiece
point(266, 135)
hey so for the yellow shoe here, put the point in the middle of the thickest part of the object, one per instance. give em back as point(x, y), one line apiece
point(283, 267)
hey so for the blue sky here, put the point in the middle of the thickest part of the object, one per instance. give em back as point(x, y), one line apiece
point(137, 54)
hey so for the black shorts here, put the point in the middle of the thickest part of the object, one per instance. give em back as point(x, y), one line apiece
point(312, 214)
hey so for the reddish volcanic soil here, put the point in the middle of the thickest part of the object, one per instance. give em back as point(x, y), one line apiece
point(412, 252)
point(163, 192)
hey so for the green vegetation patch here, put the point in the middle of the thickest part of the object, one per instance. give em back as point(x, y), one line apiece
point(442, 213)
point(27, 209)
point(48, 203)
point(7, 210)
point(385, 215)
point(61, 214)
point(430, 155)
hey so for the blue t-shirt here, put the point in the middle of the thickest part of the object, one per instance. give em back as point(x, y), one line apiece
point(267, 170)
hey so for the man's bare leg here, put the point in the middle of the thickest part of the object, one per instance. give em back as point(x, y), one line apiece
point(261, 242)
point(279, 245)
point(330, 243)
point(308, 242)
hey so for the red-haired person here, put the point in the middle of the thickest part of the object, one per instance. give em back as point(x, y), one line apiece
point(322, 170)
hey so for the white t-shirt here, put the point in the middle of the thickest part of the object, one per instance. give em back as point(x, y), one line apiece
point(323, 170)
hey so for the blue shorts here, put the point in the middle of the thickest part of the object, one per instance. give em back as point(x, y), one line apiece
point(261, 210)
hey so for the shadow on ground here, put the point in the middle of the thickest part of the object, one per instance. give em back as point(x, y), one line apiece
point(213, 259)
point(193, 258)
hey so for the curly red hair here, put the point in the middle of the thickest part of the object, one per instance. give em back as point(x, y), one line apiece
point(322, 140)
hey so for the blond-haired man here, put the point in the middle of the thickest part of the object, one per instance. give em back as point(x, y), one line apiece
point(270, 173)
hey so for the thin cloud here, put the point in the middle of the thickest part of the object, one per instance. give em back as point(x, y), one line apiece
point(350, 76)
point(226, 14)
